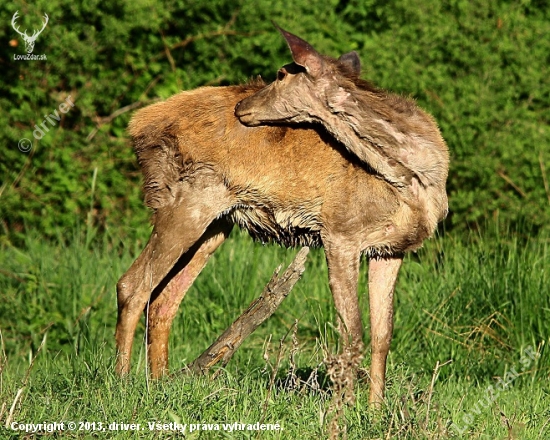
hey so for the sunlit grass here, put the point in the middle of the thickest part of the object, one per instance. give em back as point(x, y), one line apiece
point(466, 311)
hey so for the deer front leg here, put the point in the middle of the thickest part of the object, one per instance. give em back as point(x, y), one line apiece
point(168, 296)
point(382, 278)
point(343, 270)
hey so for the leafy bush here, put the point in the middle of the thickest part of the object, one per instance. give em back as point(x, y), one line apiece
point(481, 68)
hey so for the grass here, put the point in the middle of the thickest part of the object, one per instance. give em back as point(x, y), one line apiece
point(468, 311)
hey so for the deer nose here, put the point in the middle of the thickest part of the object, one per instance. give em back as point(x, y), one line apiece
point(238, 110)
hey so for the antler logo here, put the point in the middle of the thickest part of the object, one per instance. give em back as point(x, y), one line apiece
point(29, 41)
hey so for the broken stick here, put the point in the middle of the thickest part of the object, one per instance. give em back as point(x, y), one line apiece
point(262, 308)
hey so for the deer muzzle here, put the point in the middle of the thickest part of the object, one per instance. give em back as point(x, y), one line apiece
point(245, 115)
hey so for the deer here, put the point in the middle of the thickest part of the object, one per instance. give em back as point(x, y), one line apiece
point(294, 185)
point(389, 133)
point(29, 40)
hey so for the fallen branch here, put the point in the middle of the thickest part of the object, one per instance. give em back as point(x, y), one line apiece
point(262, 308)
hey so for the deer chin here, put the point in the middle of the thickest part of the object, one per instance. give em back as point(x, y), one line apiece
point(248, 119)
point(251, 118)
point(249, 114)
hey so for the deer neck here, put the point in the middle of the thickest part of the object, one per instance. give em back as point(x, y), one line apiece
point(395, 126)
point(349, 129)
point(416, 165)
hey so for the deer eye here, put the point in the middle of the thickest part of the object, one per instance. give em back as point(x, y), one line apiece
point(281, 74)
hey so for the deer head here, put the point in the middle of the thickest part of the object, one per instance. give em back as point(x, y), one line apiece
point(29, 40)
point(303, 90)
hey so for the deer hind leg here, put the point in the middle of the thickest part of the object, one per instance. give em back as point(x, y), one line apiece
point(177, 227)
point(171, 291)
point(382, 278)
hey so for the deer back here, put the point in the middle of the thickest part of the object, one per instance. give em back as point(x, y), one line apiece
point(288, 185)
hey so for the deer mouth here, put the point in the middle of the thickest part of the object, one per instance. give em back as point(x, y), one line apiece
point(246, 116)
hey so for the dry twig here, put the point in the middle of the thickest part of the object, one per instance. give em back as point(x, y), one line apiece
point(108, 119)
point(342, 369)
point(262, 308)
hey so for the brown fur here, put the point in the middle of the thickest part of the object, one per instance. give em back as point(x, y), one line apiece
point(387, 132)
point(275, 196)
point(205, 171)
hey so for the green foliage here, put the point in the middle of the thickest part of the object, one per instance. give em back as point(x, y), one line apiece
point(482, 68)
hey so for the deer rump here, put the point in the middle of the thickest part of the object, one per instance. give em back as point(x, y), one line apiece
point(292, 186)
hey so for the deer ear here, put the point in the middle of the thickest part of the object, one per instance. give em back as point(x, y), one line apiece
point(303, 53)
point(352, 61)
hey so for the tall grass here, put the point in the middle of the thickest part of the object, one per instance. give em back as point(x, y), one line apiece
point(473, 304)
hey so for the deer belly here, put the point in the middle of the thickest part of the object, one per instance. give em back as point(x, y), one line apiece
point(287, 227)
